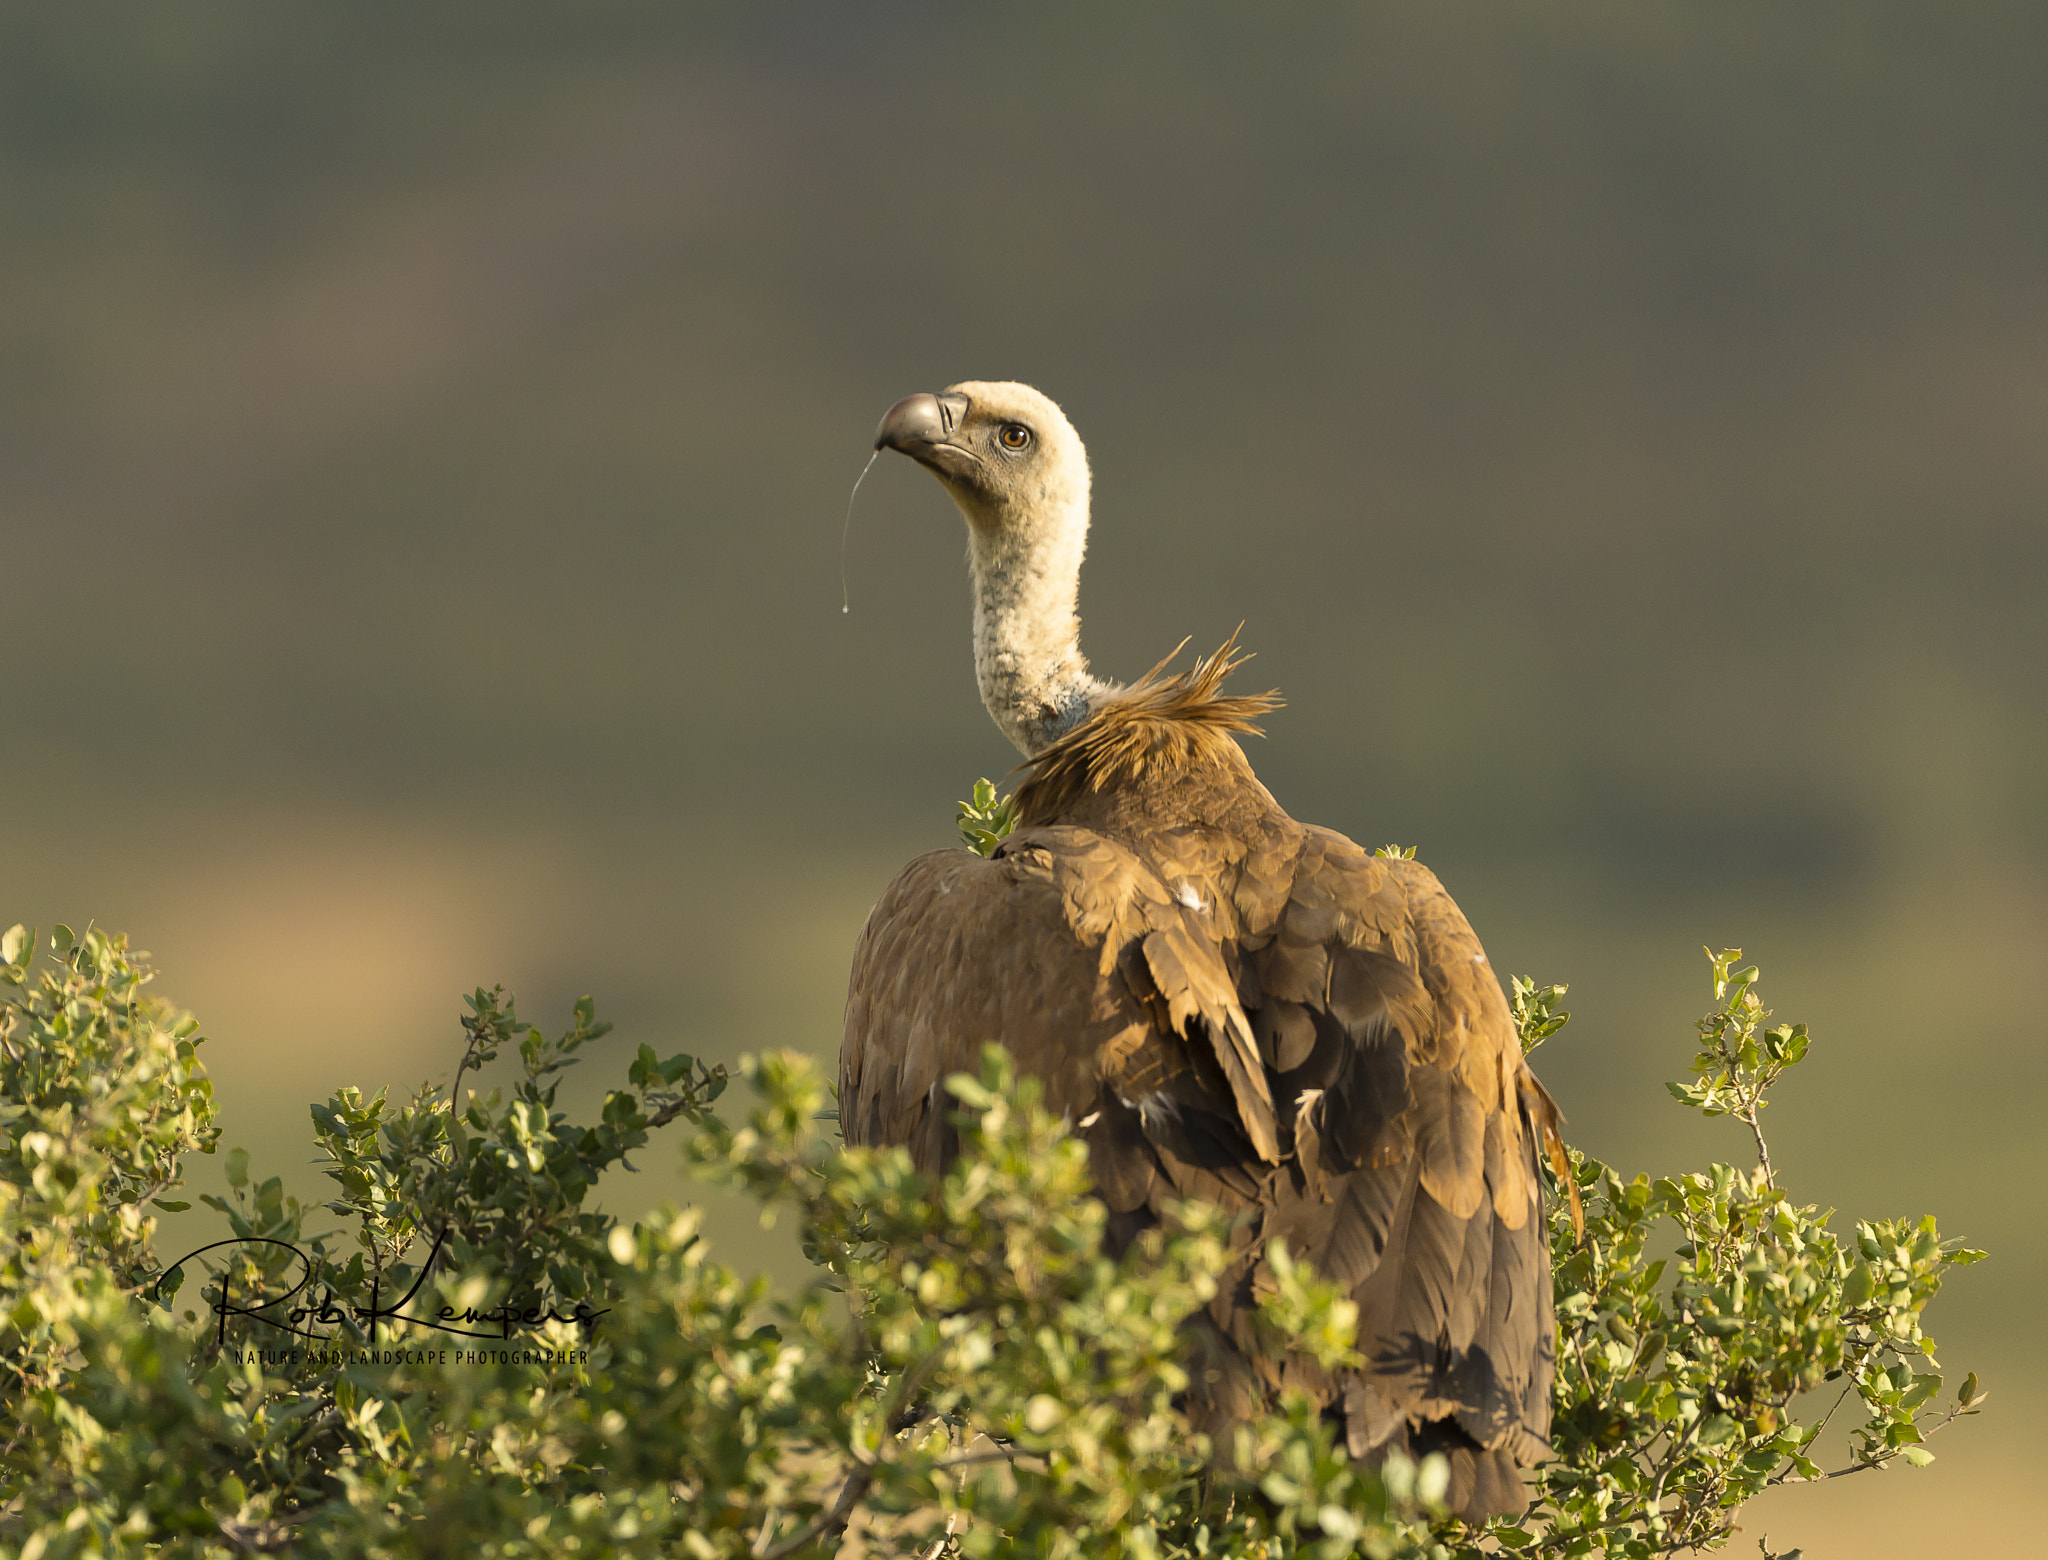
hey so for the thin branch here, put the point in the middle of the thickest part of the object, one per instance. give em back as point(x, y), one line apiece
point(857, 1482)
point(1893, 1455)
point(673, 1109)
point(1847, 1388)
point(1756, 1131)
point(832, 1521)
point(455, 1089)
point(1579, 1353)
point(1786, 1476)
point(256, 1538)
point(939, 1545)
point(152, 1191)
point(906, 1389)
point(969, 1459)
point(1671, 1457)
point(1556, 1542)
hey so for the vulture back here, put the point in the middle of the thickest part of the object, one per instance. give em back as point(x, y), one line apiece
point(1231, 1005)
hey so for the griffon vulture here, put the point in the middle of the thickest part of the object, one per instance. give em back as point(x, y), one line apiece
point(1227, 1004)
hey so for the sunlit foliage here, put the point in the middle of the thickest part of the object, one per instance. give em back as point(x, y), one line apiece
point(967, 1372)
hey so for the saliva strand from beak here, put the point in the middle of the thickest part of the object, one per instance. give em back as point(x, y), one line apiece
point(845, 597)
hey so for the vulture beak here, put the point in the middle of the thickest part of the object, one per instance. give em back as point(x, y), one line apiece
point(922, 427)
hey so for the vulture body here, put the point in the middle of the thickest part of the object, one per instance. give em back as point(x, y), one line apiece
point(1227, 1004)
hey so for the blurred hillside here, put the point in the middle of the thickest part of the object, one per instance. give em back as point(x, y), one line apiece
point(424, 435)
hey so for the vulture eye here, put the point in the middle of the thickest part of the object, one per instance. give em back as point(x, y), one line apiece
point(1015, 436)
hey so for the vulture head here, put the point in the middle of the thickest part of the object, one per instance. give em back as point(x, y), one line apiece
point(1004, 451)
point(1018, 473)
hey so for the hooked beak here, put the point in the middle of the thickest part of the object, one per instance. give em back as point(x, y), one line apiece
point(924, 428)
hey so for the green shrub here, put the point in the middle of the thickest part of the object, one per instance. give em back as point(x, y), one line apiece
point(966, 1372)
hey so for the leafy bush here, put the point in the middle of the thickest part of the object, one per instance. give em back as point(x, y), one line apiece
point(1680, 1376)
point(967, 1372)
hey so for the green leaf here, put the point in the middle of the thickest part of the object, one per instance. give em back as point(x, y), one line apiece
point(1922, 1388)
point(1858, 1287)
point(1719, 1430)
point(986, 819)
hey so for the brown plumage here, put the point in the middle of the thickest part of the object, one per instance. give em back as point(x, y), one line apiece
point(1227, 1004)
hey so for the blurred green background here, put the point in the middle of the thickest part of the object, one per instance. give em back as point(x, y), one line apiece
point(1622, 430)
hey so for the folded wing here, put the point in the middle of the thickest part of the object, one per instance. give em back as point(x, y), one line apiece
point(1274, 1020)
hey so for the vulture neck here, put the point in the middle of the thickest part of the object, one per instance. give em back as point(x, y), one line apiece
point(1027, 635)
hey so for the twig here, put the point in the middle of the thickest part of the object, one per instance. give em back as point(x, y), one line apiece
point(1558, 1542)
point(938, 1546)
point(1830, 1414)
point(831, 1521)
point(1751, 1103)
point(455, 1089)
point(969, 1459)
point(1763, 1153)
point(671, 1110)
point(906, 1389)
point(1786, 1477)
point(152, 1191)
point(863, 1475)
point(1671, 1457)
point(1897, 1452)
point(1579, 1353)
point(256, 1538)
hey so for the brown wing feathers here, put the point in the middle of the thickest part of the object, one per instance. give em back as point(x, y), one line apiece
point(1246, 1010)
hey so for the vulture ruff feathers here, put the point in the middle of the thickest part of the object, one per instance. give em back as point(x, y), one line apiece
point(1232, 1005)
point(1170, 722)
